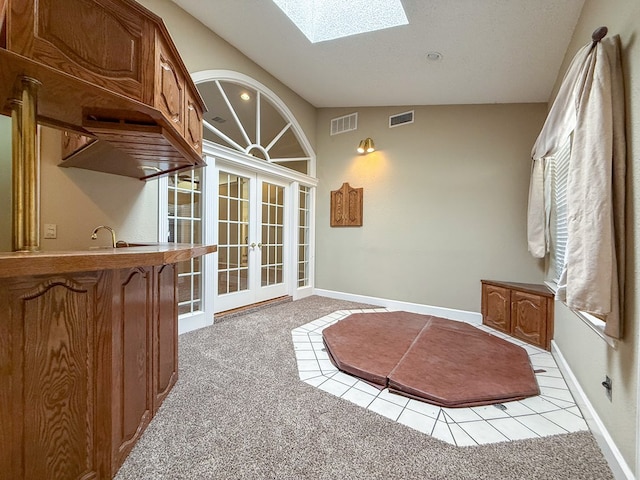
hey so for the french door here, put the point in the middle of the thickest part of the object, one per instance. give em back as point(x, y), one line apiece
point(253, 230)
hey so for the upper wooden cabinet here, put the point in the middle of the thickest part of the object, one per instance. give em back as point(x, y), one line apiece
point(169, 86)
point(193, 122)
point(108, 71)
point(102, 42)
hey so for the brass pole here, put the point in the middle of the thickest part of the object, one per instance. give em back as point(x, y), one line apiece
point(17, 239)
point(26, 167)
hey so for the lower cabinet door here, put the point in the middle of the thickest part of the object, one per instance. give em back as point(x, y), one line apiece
point(54, 411)
point(165, 333)
point(496, 307)
point(132, 362)
point(528, 317)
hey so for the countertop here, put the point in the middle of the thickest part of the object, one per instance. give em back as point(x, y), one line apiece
point(14, 264)
point(535, 288)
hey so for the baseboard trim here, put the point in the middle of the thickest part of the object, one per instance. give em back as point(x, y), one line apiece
point(302, 292)
point(619, 467)
point(473, 318)
point(252, 307)
point(188, 324)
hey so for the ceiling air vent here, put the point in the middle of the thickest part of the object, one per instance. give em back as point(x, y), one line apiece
point(344, 124)
point(400, 119)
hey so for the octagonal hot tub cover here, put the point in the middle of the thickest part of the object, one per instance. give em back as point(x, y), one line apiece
point(444, 362)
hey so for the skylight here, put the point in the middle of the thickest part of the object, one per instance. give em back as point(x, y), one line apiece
point(322, 20)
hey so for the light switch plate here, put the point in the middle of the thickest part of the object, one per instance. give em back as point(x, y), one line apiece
point(50, 230)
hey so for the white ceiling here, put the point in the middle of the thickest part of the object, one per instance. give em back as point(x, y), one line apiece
point(494, 51)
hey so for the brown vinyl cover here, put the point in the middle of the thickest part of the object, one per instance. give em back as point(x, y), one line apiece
point(444, 362)
point(370, 345)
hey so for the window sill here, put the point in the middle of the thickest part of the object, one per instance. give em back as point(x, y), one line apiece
point(592, 322)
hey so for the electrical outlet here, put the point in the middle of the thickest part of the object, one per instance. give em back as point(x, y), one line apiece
point(50, 230)
point(608, 386)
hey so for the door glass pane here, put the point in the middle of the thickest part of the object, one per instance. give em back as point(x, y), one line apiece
point(185, 226)
point(303, 236)
point(233, 233)
point(272, 265)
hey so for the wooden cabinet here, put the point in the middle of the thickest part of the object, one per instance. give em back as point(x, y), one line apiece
point(86, 360)
point(100, 41)
point(193, 122)
point(496, 307)
point(522, 310)
point(55, 376)
point(145, 350)
point(132, 360)
point(108, 71)
point(165, 332)
point(169, 89)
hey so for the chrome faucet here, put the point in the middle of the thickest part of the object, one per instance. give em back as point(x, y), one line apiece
point(94, 235)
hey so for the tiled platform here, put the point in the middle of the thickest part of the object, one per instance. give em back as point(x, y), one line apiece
point(552, 412)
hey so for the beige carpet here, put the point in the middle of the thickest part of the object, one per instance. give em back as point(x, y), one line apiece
point(239, 411)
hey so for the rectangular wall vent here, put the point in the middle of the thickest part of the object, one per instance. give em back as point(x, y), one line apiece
point(400, 119)
point(344, 124)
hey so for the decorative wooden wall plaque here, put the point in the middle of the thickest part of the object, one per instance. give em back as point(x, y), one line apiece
point(346, 206)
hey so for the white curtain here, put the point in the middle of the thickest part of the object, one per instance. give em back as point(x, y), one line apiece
point(589, 104)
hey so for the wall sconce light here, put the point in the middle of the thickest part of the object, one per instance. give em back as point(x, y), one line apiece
point(366, 146)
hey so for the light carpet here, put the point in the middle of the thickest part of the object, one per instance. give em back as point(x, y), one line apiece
point(239, 411)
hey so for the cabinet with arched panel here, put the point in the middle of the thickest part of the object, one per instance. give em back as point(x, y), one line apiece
point(522, 310)
point(87, 356)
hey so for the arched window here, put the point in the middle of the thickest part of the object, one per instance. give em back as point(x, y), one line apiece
point(245, 116)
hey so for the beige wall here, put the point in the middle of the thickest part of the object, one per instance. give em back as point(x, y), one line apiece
point(78, 200)
point(444, 203)
point(590, 357)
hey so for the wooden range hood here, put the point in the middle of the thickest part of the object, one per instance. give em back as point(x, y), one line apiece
point(107, 71)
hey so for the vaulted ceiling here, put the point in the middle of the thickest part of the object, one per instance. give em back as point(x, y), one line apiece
point(493, 51)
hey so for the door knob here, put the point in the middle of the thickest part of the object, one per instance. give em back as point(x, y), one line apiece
point(253, 245)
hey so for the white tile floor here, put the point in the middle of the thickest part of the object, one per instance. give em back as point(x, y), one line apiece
point(553, 411)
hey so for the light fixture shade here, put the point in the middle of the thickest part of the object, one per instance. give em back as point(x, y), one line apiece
point(361, 147)
point(369, 146)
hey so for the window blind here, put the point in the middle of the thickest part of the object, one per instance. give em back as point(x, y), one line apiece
point(559, 174)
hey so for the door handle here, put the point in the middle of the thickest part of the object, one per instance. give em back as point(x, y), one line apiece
point(252, 245)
